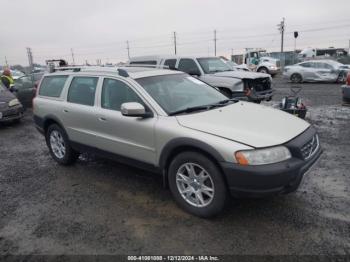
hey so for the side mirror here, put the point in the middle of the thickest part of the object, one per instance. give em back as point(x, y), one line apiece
point(134, 109)
point(194, 72)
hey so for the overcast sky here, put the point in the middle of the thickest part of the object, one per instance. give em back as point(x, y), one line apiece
point(99, 29)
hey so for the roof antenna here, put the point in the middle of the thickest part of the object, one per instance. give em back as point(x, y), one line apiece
point(122, 72)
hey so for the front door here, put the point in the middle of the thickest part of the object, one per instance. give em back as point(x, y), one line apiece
point(131, 137)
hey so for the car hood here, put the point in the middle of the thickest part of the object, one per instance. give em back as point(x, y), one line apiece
point(248, 123)
point(6, 96)
point(241, 74)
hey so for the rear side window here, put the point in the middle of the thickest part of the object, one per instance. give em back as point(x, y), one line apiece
point(82, 90)
point(52, 86)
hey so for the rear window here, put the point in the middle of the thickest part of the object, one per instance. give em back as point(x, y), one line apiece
point(52, 86)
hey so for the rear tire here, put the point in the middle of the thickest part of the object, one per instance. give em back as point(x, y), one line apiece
point(59, 145)
point(197, 184)
point(296, 78)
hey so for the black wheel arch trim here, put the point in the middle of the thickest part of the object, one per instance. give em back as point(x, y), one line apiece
point(177, 143)
point(41, 122)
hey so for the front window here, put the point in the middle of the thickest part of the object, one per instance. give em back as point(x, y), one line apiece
point(115, 93)
point(177, 92)
point(213, 65)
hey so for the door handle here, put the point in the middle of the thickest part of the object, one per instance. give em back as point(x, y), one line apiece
point(65, 111)
point(102, 119)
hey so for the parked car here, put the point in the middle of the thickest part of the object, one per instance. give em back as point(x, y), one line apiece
point(16, 74)
point(316, 71)
point(346, 90)
point(25, 87)
point(10, 107)
point(203, 144)
point(250, 86)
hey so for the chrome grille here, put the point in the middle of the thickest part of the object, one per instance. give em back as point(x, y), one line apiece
point(308, 149)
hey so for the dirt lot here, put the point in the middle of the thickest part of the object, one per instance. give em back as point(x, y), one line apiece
point(101, 207)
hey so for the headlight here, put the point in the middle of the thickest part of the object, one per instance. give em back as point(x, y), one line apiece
point(14, 102)
point(263, 156)
point(272, 67)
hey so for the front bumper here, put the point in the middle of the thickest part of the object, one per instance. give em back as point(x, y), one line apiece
point(261, 95)
point(274, 71)
point(270, 179)
point(11, 113)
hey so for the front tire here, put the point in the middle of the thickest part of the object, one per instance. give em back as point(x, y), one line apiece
point(296, 78)
point(197, 184)
point(59, 146)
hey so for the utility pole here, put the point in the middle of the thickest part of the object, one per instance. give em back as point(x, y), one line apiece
point(7, 64)
point(71, 50)
point(281, 28)
point(175, 43)
point(30, 58)
point(215, 42)
point(128, 48)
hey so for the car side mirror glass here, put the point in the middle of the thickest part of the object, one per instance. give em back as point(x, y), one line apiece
point(134, 109)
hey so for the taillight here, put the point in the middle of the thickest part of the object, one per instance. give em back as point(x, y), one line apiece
point(348, 79)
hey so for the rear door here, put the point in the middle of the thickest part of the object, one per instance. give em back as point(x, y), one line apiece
point(79, 110)
point(131, 137)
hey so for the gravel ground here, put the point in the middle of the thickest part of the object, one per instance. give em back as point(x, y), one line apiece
point(102, 207)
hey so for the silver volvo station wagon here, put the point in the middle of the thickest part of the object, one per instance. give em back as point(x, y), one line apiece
point(205, 146)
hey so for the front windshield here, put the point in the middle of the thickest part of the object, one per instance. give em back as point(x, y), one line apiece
point(264, 54)
point(177, 92)
point(213, 65)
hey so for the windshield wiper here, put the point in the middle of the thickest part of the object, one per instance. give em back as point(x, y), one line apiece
point(190, 109)
point(222, 102)
point(206, 107)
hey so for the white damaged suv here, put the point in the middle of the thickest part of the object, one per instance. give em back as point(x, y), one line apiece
point(204, 145)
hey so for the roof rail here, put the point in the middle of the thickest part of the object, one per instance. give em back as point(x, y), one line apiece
point(120, 71)
point(148, 66)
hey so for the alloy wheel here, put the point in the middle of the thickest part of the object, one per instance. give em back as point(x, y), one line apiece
point(57, 144)
point(195, 185)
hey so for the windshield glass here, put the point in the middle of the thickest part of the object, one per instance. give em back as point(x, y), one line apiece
point(213, 65)
point(264, 54)
point(179, 91)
